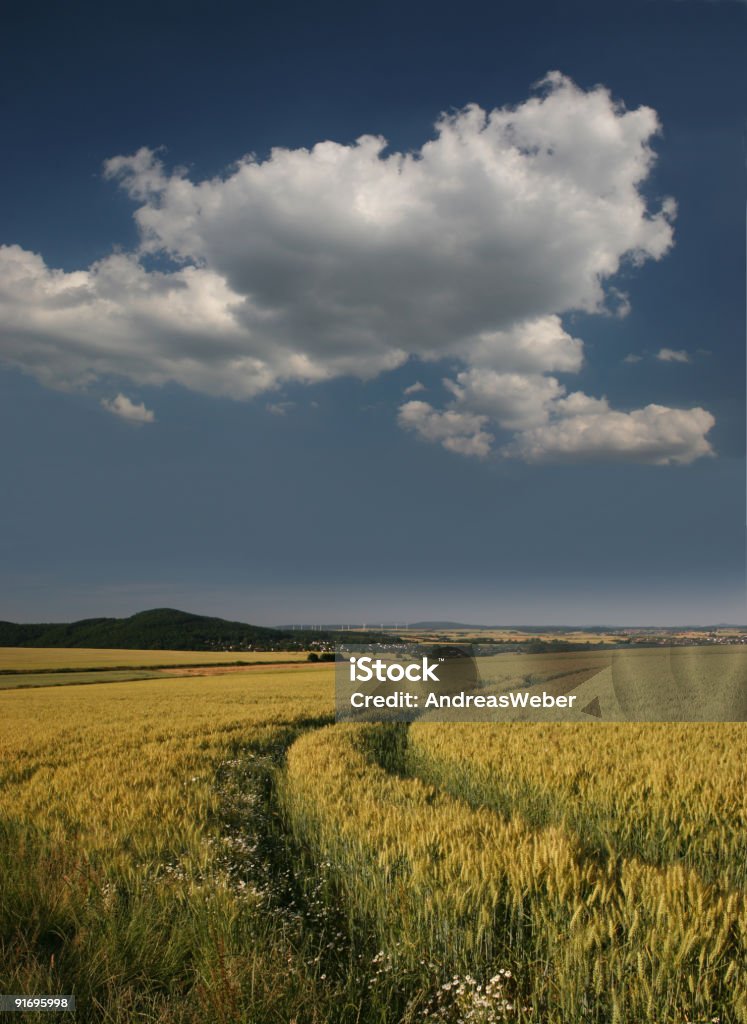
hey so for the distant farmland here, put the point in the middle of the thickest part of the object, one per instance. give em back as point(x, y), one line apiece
point(46, 659)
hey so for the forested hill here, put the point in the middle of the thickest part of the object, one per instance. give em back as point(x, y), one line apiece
point(160, 629)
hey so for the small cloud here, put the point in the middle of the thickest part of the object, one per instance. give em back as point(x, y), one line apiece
point(126, 409)
point(618, 303)
point(459, 432)
point(671, 355)
point(552, 426)
point(632, 358)
point(279, 408)
point(414, 388)
point(589, 430)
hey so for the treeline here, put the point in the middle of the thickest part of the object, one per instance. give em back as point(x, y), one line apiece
point(169, 629)
point(557, 646)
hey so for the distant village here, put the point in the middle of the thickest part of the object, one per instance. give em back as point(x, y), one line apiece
point(689, 638)
point(611, 638)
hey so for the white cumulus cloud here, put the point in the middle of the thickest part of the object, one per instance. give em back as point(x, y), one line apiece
point(514, 400)
point(457, 431)
point(348, 259)
point(126, 409)
point(655, 434)
point(671, 355)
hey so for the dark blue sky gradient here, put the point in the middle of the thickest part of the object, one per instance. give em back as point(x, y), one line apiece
point(331, 512)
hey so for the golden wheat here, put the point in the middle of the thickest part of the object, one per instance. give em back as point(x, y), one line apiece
point(664, 792)
point(589, 938)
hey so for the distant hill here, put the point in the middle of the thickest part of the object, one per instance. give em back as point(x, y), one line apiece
point(445, 624)
point(161, 629)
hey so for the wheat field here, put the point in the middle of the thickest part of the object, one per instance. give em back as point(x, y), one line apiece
point(217, 849)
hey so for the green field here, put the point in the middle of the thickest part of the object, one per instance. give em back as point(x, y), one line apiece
point(22, 668)
point(215, 849)
point(24, 680)
point(40, 659)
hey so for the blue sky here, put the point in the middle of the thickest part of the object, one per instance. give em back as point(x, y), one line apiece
point(328, 314)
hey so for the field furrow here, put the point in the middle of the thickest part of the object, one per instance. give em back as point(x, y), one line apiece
point(668, 794)
point(143, 864)
point(449, 890)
